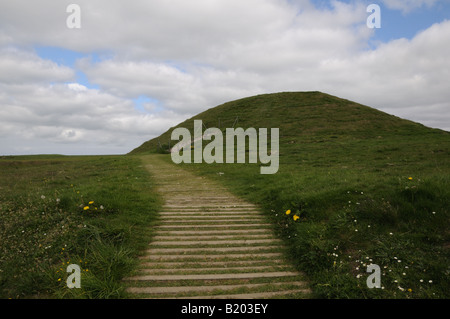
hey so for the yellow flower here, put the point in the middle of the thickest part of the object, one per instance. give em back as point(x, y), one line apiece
point(91, 202)
point(288, 212)
point(295, 218)
point(86, 207)
point(410, 178)
point(409, 290)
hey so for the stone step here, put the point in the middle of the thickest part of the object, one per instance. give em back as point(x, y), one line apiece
point(209, 236)
point(208, 264)
point(217, 242)
point(210, 257)
point(217, 226)
point(206, 221)
point(209, 216)
point(205, 250)
point(256, 295)
point(203, 205)
point(207, 232)
point(216, 269)
point(213, 276)
point(198, 289)
point(211, 213)
point(206, 208)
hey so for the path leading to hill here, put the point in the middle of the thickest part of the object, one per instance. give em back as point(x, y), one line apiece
point(210, 244)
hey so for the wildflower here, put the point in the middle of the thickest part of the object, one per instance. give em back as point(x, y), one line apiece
point(295, 217)
point(410, 178)
point(42, 196)
point(409, 290)
point(288, 212)
point(91, 202)
point(86, 208)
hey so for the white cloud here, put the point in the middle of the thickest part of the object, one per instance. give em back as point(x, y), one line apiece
point(187, 56)
point(19, 67)
point(407, 6)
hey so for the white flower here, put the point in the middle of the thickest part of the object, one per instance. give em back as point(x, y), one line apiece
point(430, 281)
point(42, 196)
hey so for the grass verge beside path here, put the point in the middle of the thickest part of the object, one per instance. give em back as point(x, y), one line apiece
point(93, 211)
point(395, 216)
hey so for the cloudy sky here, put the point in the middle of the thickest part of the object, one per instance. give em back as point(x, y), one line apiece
point(135, 68)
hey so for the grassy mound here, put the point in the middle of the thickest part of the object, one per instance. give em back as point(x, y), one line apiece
point(365, 187)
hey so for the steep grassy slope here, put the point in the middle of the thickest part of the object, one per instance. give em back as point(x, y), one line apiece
point(368, 187)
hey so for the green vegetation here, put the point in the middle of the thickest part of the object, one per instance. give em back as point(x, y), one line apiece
point(93, 211)
point(363, 187)
point(367, 187)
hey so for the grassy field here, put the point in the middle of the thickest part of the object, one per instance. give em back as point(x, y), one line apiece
point(366, 187)
point(93, 211)
point(363, 187)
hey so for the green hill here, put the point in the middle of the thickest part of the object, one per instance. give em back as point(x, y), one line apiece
point(368, 187)
point(301, 116)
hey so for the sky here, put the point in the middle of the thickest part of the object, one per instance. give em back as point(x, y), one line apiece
point(123, 72)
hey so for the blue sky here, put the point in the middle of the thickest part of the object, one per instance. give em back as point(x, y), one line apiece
point(133, 70)
point(395, 25)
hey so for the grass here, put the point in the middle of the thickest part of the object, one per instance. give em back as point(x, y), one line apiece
point(368, 187)
point(93, 211)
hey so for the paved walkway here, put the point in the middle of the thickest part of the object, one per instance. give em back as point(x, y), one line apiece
point(210, 244)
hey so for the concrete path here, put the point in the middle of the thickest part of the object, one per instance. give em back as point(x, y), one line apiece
point(210, 244)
